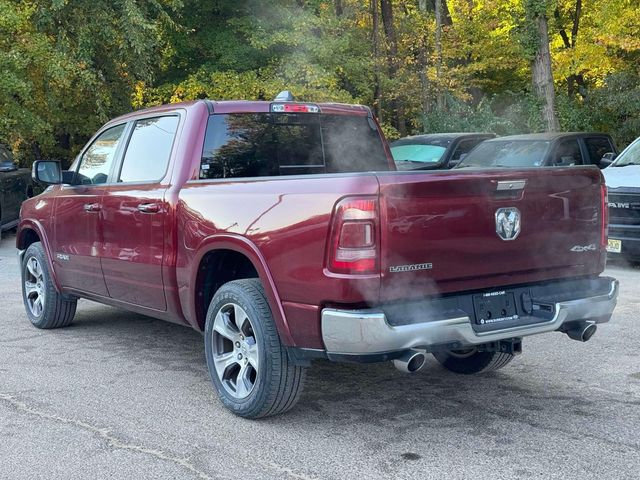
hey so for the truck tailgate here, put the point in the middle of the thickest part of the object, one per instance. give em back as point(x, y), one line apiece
point(455, 231)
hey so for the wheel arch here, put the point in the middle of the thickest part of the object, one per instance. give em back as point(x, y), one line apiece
point(31, 231)
point(250, 263)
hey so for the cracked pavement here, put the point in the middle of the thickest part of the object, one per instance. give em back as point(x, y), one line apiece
point(119, 395)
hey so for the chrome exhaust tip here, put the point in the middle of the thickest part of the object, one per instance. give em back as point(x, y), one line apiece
point(411, 361)
point(582, 331)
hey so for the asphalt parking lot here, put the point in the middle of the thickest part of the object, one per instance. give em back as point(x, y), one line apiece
point(119, 395)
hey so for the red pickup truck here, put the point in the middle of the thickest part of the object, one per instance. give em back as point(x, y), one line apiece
point(284, 233)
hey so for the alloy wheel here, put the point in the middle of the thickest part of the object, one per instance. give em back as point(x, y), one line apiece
point(235, 350)
point(34, 287)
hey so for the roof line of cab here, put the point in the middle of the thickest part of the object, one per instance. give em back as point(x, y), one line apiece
point(245, 106)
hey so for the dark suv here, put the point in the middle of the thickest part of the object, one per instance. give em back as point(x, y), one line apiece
point(15, 188)
point(542, 150)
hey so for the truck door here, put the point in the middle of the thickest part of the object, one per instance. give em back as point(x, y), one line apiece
point(134, 215)
point(78, 209)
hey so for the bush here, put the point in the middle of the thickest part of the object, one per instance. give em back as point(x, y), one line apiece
point(506, 114)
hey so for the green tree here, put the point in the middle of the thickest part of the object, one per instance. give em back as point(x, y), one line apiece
point(66, 66)
point(71, 65)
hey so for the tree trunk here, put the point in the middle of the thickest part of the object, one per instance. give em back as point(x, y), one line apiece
point(422, 59)
point(339, 8)
point(543, 76)
point(446, 15)
point(386, 9)
point(575, 81)
point(439, 19)
point(375, 36)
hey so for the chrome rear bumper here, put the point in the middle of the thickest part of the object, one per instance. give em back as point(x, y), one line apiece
point(362, 332)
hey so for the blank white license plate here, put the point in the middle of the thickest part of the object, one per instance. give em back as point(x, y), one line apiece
point(614, 246)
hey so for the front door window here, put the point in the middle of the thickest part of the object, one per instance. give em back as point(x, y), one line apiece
point(97, 161)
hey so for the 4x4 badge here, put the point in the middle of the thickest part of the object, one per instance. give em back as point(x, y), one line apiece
point(508, 223)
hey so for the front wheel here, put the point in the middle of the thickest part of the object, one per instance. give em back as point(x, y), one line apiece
point(248, 365)
point(470, 361)
point(45, 307)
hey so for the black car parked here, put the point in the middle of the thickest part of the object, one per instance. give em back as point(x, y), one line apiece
point(434, 151)
point(543, 150)
point(15, 187)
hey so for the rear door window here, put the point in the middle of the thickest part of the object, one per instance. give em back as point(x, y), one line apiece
point(266, 144)
point(149, 149)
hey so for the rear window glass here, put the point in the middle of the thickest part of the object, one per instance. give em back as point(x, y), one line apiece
point(271, 144)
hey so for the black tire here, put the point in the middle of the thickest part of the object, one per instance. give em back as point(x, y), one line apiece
point(469, 362)
point(57, 311)
point(277, 382)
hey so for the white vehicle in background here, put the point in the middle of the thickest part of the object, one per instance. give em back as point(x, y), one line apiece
point(623, 183)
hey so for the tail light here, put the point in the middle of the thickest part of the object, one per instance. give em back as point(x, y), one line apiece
point(605, 216)
point(354, 244)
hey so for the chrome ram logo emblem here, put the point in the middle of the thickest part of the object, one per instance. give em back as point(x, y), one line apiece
point(508, 223)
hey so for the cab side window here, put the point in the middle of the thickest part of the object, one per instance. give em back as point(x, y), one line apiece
point(149, 149)
point(97, 160)
point(597, 147)
point(463, 148)
point(566, 154)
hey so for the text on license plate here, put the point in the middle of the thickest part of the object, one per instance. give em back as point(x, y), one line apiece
point(495, 307)
point(614, 246)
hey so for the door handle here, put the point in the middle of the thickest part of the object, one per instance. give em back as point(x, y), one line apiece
point(149, 208)
point(92, 207)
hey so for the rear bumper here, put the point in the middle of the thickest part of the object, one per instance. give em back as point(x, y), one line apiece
point(368, 332)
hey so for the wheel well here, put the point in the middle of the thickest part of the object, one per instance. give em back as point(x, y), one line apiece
point(27, 237)
point(217, 268)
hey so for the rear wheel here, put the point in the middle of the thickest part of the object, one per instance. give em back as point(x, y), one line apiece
point(45, 307)
point(248, 365)
point(470, 361)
